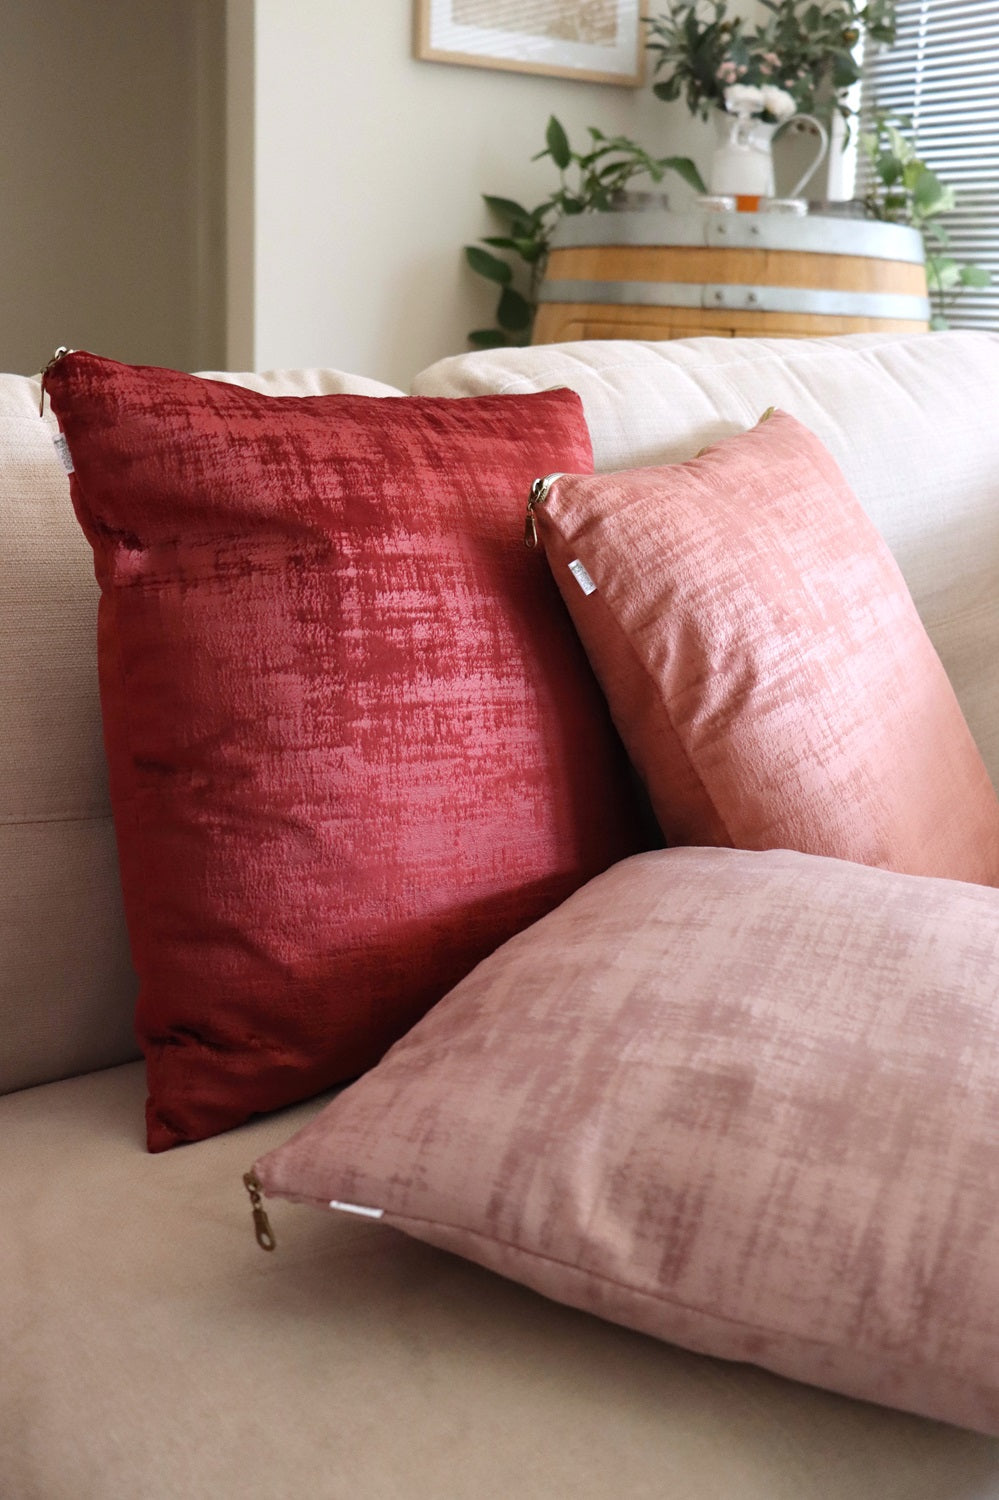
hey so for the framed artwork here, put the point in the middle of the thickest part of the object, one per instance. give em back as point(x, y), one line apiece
point(600, 41)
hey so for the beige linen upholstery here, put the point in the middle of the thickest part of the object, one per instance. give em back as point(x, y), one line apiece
point(66, 984)
point(314, 382)
point(152, 1352)
point(902, 414)
point(67, 988)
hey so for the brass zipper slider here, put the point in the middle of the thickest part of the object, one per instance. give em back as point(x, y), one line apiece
point(57, 356)
point(539, 494)
point(261, 1223)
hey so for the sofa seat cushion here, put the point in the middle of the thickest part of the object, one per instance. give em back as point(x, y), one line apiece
point(151, 1350)
point(904, 415)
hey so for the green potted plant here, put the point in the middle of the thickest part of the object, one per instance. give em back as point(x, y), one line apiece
point(754, 79)
point(805, 51)
point(904, 190)
point(588, 181)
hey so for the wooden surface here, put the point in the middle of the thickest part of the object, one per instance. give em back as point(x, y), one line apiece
point(725, 266)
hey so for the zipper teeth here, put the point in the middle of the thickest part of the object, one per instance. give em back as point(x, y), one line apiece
point(540, 490)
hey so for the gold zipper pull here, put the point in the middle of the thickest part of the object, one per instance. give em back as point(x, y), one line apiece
point(539, 494)
point(766, 415)
point(57, 356)
point(261, 1223)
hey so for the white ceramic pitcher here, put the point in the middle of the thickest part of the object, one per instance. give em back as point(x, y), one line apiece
point(743, 163)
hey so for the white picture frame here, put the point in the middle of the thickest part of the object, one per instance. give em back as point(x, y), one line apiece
point(596, 41)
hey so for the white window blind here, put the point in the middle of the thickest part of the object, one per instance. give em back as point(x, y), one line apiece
point(943, 74)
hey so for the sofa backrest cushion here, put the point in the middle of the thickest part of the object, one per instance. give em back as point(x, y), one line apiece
point(66, 984)
point(908, 418)
point(67, 987)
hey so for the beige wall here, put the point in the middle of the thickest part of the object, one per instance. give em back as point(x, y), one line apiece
point(331, 230)
point(111, 134)
point(365, 181)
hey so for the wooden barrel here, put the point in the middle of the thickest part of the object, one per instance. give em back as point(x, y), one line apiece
point(663, 275)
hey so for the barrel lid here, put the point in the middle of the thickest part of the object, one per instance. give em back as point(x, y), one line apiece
point(821, 235)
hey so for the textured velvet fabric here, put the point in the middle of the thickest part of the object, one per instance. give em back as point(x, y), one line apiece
point(900, 413)
point(67, 986)
point(353, 741)
point(742, 1101)
point(764, 660)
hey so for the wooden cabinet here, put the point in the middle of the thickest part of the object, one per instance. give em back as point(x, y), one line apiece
point(660, 275)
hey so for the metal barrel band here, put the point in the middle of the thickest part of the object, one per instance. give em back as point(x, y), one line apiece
point(729, 297)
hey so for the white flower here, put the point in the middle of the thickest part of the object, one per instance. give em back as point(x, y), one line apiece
point(745, 99)
point(777, 102)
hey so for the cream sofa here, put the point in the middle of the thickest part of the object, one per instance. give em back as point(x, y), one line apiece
point(149, 1350)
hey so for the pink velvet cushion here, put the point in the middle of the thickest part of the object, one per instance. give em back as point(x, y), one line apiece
point(742, 1101)
point(765, 663)
point(343, 769)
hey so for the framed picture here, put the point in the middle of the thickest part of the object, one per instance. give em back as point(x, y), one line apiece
point(600, 41)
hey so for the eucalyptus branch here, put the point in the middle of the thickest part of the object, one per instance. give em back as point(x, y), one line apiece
point(804, 47)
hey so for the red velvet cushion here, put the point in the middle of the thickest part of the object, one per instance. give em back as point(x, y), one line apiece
point(353, 742)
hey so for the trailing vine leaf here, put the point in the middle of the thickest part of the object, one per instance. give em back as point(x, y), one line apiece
point(907, 191)
point(588, 181)
point(686, 169)
point(514, 312)
point(488, 265)
point(506, 208)
point(487, 338)
point(558, 144)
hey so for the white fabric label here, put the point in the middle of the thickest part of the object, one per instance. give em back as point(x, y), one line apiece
point(61, 446)
point(582, 577)
point(357, 1208)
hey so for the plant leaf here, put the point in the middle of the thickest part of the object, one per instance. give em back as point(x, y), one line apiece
point(686, 169)
point(928, 191)
point(489, 266)
point(487, 338)
point(558, 144)
point(888, 168)
point(514, 312)
point(975, 276)
point(844, 71)
point(506, 208)
point(943, 272)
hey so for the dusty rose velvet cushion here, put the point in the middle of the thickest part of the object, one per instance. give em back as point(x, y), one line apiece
point(742, 1101)
point(765, 663)
point(343, 720)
